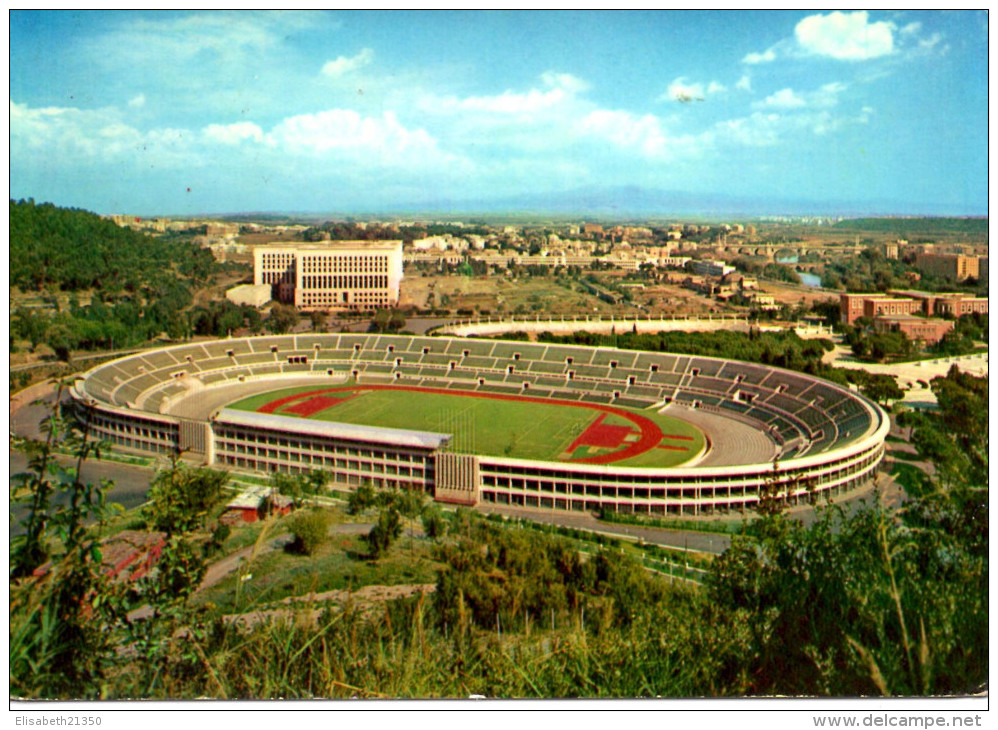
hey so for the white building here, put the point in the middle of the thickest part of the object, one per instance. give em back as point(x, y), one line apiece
point(254, 295)
point(358, 275)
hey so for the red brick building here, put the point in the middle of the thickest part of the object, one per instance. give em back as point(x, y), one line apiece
point(905, 302)
point(922, 329)
point(854, 306)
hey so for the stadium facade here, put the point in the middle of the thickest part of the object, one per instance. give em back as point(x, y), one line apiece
point(822, 439)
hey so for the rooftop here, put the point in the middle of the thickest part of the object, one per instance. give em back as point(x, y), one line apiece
point(329, 429)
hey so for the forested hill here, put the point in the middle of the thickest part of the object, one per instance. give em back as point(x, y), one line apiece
point(70, 250)
point(918, 226)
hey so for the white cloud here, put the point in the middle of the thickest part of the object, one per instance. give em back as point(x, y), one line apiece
point(845, 36)
point(137, 102)
point(841, 36)
point(824, 97)
point(782, 99)
point(764, 57)
point(927, 44)
point(231, 134)
point(744, 83)
point(681, 90)
point(627, 130)
point(560, 89)
point(567, 82)
point(344, 65)
point(347, 131)
point(827, 95)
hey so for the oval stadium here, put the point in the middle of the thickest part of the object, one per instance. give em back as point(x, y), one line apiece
point(481, 421)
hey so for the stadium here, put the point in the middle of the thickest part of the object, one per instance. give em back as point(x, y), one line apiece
point(481, 421)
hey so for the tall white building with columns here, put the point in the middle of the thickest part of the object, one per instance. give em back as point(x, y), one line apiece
point(354, 275)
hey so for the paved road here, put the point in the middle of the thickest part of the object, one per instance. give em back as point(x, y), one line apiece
point(131, 483)
point(705, 542)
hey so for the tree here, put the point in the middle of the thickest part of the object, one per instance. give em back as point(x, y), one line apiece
point(180, 497)
point(318, 320)
point(60, 610)
point(881, 388)
point(870, 603)
point(283, 317)
point(361, 498)
point(299, 487)
point(310, 530)
point(434, 524)
point(62, 340)
point(387, 529)
point(773, 493)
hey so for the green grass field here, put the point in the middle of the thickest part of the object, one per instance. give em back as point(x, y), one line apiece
point(533, 429)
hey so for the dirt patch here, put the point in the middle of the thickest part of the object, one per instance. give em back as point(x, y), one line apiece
point(365, 599)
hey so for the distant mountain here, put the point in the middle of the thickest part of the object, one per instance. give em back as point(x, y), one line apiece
point(637, 202)
point(615, 203)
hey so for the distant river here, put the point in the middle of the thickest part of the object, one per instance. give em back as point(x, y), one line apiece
point(805, 278)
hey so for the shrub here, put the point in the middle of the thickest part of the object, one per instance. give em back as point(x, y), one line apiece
point(310, 530)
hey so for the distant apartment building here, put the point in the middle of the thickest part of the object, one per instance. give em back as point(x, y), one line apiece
point(676, 262)
point(948, 265)
point(712, 268)
point(356, 275)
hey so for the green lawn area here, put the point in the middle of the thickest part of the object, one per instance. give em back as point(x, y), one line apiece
point(524, 430)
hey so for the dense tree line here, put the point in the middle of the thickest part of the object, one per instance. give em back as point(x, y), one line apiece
point(908, 227)
point(140, 287)
point(780, 349)
point(67, 249)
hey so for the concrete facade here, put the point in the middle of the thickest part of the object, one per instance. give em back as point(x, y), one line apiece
point(339, 275)
point(828, 438)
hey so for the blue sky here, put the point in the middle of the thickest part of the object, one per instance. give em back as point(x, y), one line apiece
point(183, 112)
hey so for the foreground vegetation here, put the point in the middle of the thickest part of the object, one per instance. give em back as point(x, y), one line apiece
point(876, 603)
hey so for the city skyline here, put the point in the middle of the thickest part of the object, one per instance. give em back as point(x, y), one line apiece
point(187, 113)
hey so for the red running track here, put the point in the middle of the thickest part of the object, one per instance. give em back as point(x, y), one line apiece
point(651, 434)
